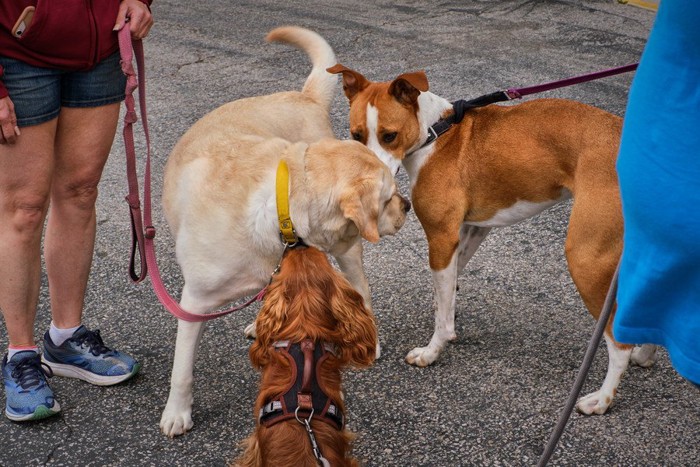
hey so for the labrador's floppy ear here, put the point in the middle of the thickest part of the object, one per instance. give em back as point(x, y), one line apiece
point(407, 87)
point(353, 82)
point(361, 206)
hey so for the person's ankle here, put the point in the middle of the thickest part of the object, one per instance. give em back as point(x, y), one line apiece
point(14, 349)
point(59, 336)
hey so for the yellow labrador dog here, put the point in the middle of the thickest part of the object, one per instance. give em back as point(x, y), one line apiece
point(219, 200)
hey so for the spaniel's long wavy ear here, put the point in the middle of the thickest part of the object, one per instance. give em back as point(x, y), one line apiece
point(269, 322)
point(358, 330)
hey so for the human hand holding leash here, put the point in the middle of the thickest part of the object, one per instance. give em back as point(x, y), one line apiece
point(9, 131)
point(139, 17)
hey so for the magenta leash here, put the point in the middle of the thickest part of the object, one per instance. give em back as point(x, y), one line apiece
point(142, 237)
point(461, 107)
point(521, 92)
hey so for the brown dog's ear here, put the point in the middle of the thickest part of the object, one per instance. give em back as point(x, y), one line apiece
point(358, 330)
point(268, 323)
point(361, 207)
point(259, 355)
point(353, 82)
point(407, 87)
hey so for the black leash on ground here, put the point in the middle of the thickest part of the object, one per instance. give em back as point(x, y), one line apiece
point(582, 372)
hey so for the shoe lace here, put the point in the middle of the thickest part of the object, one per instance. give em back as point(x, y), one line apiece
point(29, 372)
point(94, 342)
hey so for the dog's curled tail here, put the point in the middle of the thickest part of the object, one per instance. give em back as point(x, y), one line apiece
point(320, 85)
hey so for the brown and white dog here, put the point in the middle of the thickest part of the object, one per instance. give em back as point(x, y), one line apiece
point(312, 325)
point(219, 201)
point(500, 165)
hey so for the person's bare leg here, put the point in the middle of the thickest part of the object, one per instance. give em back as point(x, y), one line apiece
point(83, 140)
point(26, 168)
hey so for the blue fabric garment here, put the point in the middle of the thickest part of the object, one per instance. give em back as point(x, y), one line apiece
point(659, 170)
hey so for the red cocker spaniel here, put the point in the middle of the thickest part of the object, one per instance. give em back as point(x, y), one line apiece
point(312, 324)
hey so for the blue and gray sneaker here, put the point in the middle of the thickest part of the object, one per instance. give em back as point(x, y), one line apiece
point(84, 356)
point(29, 396)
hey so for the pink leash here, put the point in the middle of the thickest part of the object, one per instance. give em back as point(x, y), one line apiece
point(143, 237)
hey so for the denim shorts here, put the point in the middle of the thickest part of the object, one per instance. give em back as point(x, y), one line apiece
point(39, 93)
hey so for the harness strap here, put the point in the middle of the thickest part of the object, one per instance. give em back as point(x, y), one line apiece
point(142, 237)
point(276, 406)
point(303, 397)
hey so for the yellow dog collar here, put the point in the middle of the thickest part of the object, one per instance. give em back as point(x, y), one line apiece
point(287, 232)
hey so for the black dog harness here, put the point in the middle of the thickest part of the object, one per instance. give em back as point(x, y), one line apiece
point(303, 398)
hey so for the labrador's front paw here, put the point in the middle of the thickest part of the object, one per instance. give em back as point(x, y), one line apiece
point(175, 421)
point(422, 356)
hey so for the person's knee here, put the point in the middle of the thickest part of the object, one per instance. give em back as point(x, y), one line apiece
point(26, 212)
point(80, 192)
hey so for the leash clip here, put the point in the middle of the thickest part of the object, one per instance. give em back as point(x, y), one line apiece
point(289, 242)
point(314, 444)
point(279, 263)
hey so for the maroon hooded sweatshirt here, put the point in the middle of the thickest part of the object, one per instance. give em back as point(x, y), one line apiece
point(71, 35)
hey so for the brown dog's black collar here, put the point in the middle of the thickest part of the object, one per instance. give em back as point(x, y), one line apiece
point(460, 108)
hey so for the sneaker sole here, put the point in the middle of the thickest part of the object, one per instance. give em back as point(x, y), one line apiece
point(41, 412)
point(72, 371)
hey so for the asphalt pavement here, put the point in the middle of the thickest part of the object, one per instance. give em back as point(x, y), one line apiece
point(494, 395)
